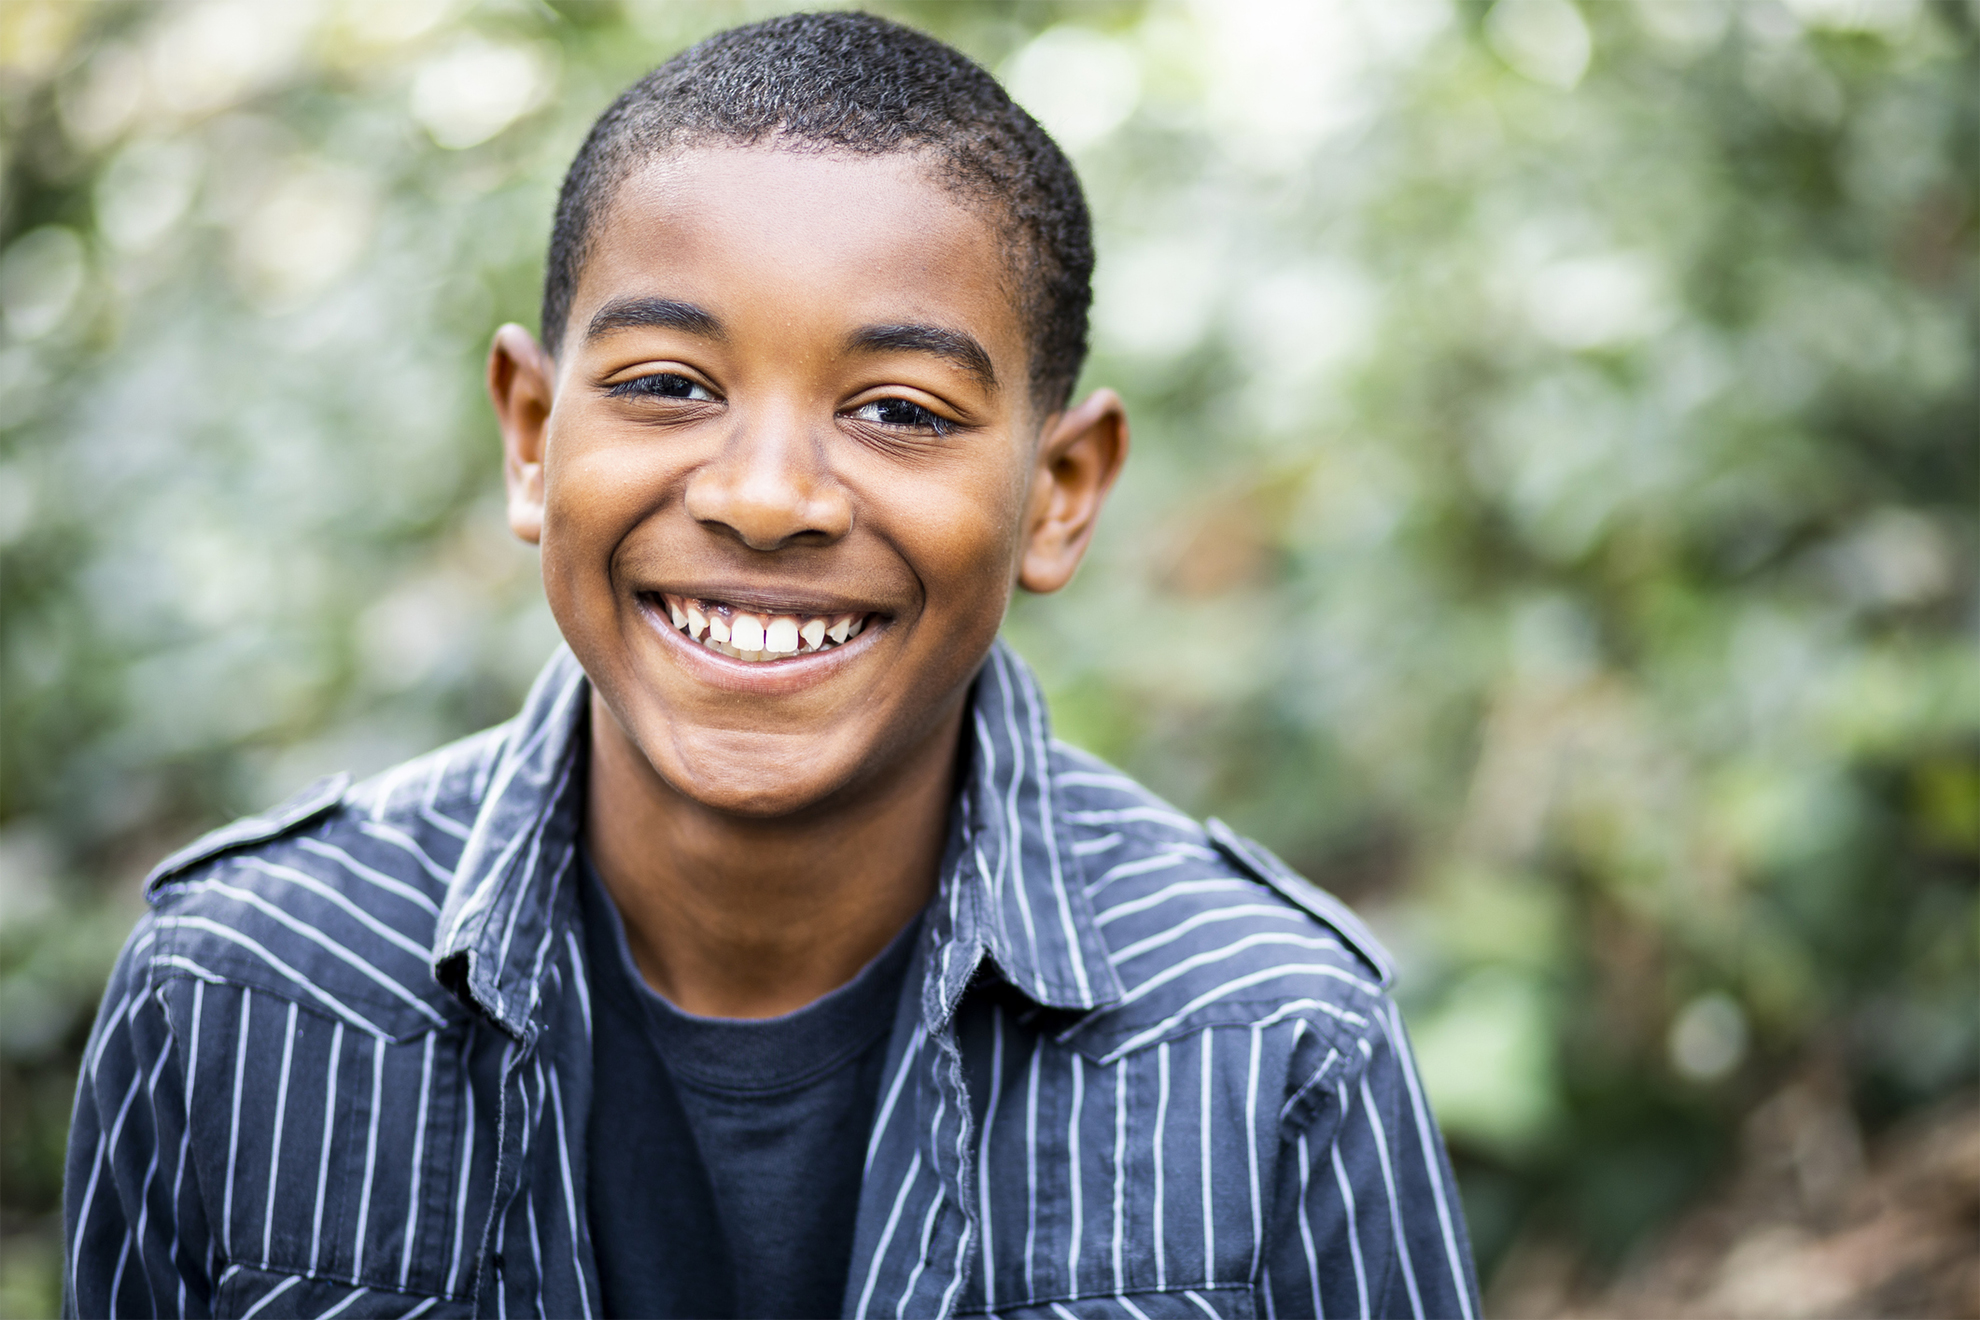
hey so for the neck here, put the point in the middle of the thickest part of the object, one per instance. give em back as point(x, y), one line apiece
point(740, 917)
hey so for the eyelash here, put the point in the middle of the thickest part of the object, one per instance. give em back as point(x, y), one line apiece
point(664, 384)
point(649, 387)
point(923, 419)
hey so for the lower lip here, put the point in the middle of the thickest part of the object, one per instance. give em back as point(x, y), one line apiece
point(763, 677)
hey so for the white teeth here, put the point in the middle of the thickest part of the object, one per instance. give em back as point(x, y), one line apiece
point(757, 638)
point(782, 635)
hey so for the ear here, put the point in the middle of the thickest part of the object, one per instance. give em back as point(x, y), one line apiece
point(521, 380)
point(1079, 456)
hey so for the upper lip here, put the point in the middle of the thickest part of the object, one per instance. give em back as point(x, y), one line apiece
point(768, 600)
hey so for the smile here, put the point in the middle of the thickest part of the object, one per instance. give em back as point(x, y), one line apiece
point(758, 637)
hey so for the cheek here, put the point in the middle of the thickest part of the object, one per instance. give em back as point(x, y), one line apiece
point(594, 495)
point(960, 531)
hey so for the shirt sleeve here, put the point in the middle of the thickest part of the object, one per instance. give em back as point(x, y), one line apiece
point(135, 1239)
point(1367, 1220)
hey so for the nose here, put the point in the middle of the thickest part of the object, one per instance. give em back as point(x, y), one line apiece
point(771, 487)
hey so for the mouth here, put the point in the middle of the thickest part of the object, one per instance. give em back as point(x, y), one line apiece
point(758, 636)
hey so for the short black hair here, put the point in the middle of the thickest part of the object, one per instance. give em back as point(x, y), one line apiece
point(853, 82)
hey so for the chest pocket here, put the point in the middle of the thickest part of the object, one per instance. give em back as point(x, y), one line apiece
point(246, 1291)
point(338, 1159)
point(1181, 1304)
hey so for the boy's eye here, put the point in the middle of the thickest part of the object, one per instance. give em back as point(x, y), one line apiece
point(660, 385)
point(901, 412)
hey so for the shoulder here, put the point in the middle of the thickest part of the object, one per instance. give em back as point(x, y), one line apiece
point(1206, 928)
point(330, 899)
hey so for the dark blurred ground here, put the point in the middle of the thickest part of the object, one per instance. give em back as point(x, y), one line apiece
point(1813, 1226)
point(1552, 525)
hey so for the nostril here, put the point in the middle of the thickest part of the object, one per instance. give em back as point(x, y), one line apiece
point(766, 527)
point(769, 496)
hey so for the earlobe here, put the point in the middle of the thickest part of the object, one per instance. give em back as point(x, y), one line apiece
point(520, 386)
point(1078, 459)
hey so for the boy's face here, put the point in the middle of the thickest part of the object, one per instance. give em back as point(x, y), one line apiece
point(793, 391)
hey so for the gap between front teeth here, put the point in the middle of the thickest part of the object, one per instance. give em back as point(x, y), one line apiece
point(758, 637)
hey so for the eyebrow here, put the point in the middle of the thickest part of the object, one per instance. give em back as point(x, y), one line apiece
point(660, 313)
point(953, 345)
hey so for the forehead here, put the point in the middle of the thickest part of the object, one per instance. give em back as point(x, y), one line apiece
point(805, 236)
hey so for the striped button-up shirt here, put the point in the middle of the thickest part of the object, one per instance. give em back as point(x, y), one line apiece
point(343, 1065)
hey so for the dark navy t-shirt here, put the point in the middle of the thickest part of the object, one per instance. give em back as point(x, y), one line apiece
point(725, 1156)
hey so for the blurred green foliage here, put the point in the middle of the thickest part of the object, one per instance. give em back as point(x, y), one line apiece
point(1552, 523)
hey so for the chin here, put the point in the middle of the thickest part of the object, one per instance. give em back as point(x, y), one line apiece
point(762, 787)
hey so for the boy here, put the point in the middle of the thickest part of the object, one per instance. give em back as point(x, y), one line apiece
point(772, 961)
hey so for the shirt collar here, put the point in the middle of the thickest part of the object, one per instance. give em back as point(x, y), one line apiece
point(1012, 889)
point(1010, 893)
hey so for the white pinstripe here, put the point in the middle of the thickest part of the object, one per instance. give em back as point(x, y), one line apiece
point(1395, 1206)
point(1031, 1165)
point(1011, 861)
point(1128, 907)
point(927, 1222)
point(185, 1137)
point(417, 1177)
point(323, 1166)
point(370, 1157)
point(151, 1170)
point(1169, 858)
point(1120, 1168)
point(570, 1194)
point(893, 1094)
point(1392, 1027)
point(1051, 837)
point(371, 875)
point(1231, 987)
point(117, 1279)
point(983, 1157)
point(505, 773)
point(1353, 1233)
point(535, 1248)
point(1257, 940)
point(1161, 1131)
point(1123, 815)
point(887, 1236)
point(467, 1169)
point(1306, 1226)
point(270, 1296)
point(1236, 912)
point(581, 978)
point(1099, 779)
point(104, 1143)
point(275, 1142)
point(1251, 1148)
point(1074, 1172)
point(407, 844)
point(1203, 1138)
point(344, 1305)
point(350, 1015)
point(234, 1127)
point(1091, 847)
